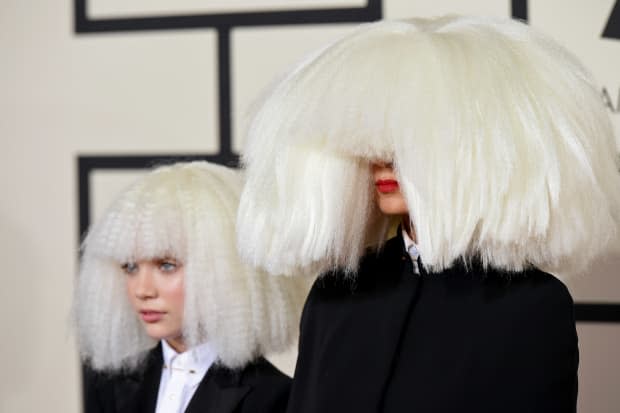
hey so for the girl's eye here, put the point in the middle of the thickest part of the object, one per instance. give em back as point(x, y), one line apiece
point(129, 267)
point(168, 266)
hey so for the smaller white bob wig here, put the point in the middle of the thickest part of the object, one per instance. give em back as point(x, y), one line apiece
point(499, 138)
point(186, 211)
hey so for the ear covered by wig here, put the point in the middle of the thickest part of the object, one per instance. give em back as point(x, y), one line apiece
point(187, 211)
point(500, 141)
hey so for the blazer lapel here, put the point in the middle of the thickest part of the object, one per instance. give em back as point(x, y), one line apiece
point(352, 334)
point(220, 391)
point(392, 287)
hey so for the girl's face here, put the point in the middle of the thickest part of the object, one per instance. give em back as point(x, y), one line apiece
point(156, 291)
point(389, 198)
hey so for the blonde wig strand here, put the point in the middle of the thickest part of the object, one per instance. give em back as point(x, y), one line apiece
point(500, 141)
point(186, 211)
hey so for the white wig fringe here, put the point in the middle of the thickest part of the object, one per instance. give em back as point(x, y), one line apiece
point(499, 137)
point(186, 211)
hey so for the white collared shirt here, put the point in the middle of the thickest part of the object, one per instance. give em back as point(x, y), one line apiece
point(181, 375)
point(412, 249)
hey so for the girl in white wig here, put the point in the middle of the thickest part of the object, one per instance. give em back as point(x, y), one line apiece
point(490, 144)
point(168, 318)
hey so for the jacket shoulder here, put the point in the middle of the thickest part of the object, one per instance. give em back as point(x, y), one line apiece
point(378, 267)
point(543, 292)
point(260, 370)
point(269, 387)
point(123, 390)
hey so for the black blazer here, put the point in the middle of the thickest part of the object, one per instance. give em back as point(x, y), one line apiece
point(463, 340)
point(259, 387)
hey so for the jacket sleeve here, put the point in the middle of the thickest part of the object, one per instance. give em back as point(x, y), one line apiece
point(550, 366)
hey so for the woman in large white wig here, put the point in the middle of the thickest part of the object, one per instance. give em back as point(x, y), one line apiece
point(490, 144)
point(168, 318)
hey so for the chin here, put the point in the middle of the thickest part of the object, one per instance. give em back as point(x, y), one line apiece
point(392, 204)
point(158, 334)
point(392, 208)
point(394, 213)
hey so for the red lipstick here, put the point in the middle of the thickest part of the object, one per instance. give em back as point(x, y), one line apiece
point(386, 186)
point(149, 316)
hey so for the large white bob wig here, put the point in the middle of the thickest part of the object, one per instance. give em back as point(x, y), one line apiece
point(498, 135)
point(186, 211)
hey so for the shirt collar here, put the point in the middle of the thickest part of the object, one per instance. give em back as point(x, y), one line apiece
point(410, 246)
point(412, 249)
point(194, 362)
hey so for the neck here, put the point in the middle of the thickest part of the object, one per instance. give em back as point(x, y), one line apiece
point(178, 344)
point(409, 228)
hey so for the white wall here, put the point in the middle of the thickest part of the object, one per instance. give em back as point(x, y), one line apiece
point(65, 95)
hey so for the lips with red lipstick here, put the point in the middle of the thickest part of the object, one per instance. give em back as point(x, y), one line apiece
point(386, 186)
point(150, 316)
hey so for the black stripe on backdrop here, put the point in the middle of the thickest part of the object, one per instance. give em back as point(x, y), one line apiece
point(519, 9)
point(83, 24)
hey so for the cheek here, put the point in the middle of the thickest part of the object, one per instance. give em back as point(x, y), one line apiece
point(402, 204)
point(179, 298)
point(130, 291)
point(175, 294)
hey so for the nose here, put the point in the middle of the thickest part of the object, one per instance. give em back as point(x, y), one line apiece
point(144, 287)
point(382, 164)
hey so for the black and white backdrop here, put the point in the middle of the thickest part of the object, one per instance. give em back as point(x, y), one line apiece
point(96, 91)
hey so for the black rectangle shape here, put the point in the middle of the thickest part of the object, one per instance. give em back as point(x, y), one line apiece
point(598, 313)
point(83, 24)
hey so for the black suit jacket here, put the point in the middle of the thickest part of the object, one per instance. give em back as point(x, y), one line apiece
point(463, 340)
point(259, 387)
